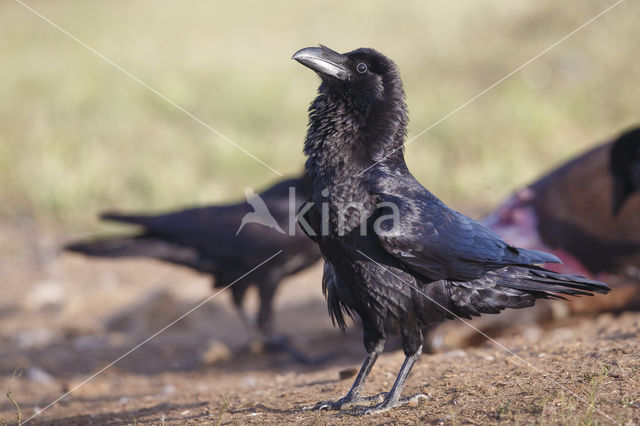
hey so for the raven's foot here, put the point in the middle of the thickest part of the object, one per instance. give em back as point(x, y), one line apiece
point(388, 404)
point(347, 402)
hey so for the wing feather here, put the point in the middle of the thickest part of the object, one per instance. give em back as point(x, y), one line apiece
point(440, 243)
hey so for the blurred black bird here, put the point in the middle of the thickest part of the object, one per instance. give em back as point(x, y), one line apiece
point(570, 212)
point(225, 241)
point(394, 253)
point(584, 211)
point(625, 166)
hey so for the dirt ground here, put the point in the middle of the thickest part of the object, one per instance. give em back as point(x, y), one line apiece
point(65, 318)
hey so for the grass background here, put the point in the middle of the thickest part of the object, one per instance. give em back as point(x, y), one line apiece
point(77, 136)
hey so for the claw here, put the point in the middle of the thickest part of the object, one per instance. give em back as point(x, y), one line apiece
point(373, 399)
point(346, 402)
point(324, 406)
point(389, 404)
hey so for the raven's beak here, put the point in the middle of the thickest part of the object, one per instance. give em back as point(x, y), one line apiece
point(621, 192)
point(324, 61)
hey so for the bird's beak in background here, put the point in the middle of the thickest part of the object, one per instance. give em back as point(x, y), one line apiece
point(324, 61)
point(620, 194)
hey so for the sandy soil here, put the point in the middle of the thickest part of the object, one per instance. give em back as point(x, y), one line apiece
point(65, 318)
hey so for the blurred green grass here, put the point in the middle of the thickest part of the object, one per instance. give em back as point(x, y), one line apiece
point(77, 136)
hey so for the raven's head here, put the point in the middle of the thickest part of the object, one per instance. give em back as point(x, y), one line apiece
point(624, 163)
point(362, 96)
point(364, 72)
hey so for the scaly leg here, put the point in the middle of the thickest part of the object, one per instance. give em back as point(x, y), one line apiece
point(353, 396)
point(392, 399)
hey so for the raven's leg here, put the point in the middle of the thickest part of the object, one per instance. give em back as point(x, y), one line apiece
point(261, 330)
point(392, 399)
point(264, 325)
point(353, 396)
point(267, 290)
point(238, 293)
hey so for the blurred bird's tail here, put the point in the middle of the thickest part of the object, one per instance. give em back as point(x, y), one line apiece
point(116, 247)
point(142, 220)
point(142, 245)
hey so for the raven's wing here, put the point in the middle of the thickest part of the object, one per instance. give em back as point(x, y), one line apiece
point(439, 243)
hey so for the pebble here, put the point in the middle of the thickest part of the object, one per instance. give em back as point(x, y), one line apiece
point(215, 353)
point(454, 353)
point(168, 389)
point(35, 338)
point(38, 375)
point(347, 372)
point(44, 294)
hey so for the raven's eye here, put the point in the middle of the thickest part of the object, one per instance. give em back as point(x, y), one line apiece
point(362, 68)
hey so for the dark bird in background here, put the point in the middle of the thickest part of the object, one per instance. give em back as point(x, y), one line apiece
point(205, 239)
point(394, 253)
point(625, 166)
point(585, 211)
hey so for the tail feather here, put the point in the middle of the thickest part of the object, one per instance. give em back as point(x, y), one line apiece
point(538, 257)
point(549, 283)
point(111, 247)
point(139, 246)
point(142, 220)
point(115, 247)
point(517, 287)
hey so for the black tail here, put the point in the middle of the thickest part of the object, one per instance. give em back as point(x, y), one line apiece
point(517, 287)
point(141, 246)
point(116, 247)
point(543, 283)
point(142, 220)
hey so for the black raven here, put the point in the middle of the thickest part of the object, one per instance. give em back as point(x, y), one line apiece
point(394, 253)
point(576, 211)
point(226, 241)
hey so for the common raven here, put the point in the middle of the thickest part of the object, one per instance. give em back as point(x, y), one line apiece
point(219, 240)
point(394, 253)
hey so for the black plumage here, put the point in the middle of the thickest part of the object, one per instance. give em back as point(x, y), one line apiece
point(624, 163)
point(394, 253)
point(219, 240)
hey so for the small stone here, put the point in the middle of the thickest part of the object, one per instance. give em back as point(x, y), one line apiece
point(256, 347)
point(215, 353)
point(454, 353)
point(44, 294)
point(347, 372)
point(38, 375)
point(36, 338)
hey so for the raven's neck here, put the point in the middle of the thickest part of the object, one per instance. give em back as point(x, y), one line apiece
point(348, 141)
point(349, 144)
